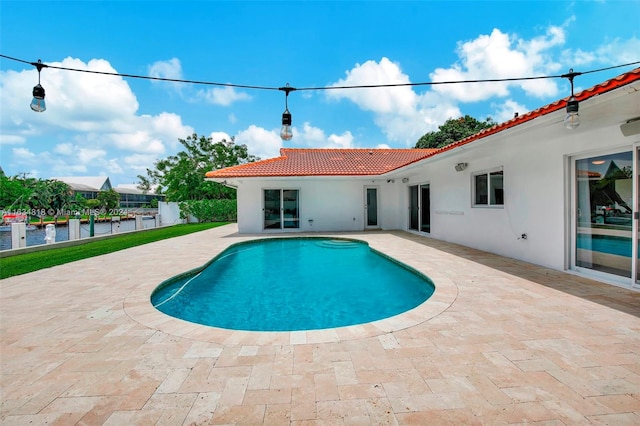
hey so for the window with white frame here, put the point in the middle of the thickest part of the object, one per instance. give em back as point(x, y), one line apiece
point(488, 189)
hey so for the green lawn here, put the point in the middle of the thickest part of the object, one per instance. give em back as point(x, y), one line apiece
point(29, 262)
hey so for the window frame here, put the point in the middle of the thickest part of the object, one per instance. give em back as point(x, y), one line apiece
point(490, 188)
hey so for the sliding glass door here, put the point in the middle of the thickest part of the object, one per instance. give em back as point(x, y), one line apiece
point(604, 221)
point(420, 208)
point(291, 208)
point(281, 209)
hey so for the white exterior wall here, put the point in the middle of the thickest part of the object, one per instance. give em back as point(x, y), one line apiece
point(537, 191)
point(333, 204)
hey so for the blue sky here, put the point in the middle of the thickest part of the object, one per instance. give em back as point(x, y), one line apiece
point(117, 127)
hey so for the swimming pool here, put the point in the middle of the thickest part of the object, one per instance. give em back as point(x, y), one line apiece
point(290, 284)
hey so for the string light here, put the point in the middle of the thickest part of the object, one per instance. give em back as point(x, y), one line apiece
point(285, 132)
point(572, 120)
point(572, 104)
point(37, 104)
point(373, 86)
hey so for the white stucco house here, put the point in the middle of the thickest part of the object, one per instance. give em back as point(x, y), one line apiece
point(528, 188)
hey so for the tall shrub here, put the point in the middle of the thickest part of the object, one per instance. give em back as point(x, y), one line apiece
point(223, 210)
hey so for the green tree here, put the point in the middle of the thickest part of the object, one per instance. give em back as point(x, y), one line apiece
point(79, 202)
point(40, 194)
point(93, 204)
point(181, 177)
point(60, 195)
point(453, 130)
point(109, 199)
point(13, 193)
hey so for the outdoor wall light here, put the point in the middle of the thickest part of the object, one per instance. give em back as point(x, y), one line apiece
point(460, 167)
point(631, 127)
point(285, 132)
point(37, 104)
point(572, 120)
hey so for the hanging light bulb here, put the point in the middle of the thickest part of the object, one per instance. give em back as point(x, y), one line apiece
point(285, 131)
point(572, 120)
point(37, 104)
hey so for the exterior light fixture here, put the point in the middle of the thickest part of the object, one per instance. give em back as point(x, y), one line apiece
point(37, 104)
point(630, 127)
point(572, 120)
point(285, 132)
point(460, 167)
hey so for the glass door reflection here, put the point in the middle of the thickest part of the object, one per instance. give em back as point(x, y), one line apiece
point(604, 217)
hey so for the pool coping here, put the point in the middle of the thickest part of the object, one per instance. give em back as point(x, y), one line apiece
point(137, 304)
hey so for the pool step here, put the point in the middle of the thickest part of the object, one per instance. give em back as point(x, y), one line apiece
point(339, 244)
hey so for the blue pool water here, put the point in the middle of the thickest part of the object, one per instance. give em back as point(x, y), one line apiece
point(620, 246)
point(293, 284)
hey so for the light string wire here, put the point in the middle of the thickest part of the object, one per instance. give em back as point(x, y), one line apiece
point(288, 88)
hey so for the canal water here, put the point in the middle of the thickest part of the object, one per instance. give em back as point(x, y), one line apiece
point(36, 236)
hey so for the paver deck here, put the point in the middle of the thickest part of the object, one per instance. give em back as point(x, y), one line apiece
point(500, 342)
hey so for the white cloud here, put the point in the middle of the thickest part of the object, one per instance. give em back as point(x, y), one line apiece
point(12, 140)
point(314, 137)
point(309, 136)
point(112, 167)
point(220, 136)
point(170, 69)
point(402, 114)
point(507, 110)
point(87, 156)
point(501, 56)
point(579, 57)
point(342, 141)
point(222, 96)
point(64, 149)
point(617, 52)
point(389, 100)
point(267, 143)
point(68, 159)
point(72, 105)
point(23, 155)
point(93, 118)
point(142, 141)
point(140, 162)
point(260, 142)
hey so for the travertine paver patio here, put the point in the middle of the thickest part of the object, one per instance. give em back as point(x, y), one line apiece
point(501, 342)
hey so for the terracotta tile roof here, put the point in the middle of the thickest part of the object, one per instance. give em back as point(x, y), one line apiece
point(363, 162)
point(326, 162)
